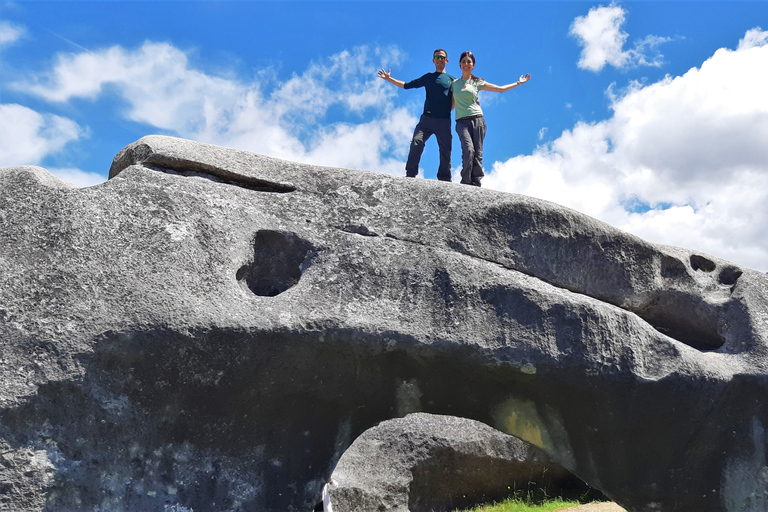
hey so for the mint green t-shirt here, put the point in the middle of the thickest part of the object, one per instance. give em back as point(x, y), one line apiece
point(465, 97)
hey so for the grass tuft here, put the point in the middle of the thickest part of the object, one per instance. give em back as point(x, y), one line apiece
point(526, 502)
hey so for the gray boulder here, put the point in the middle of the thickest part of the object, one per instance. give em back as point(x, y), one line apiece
point(211, 329)
point(426, 462)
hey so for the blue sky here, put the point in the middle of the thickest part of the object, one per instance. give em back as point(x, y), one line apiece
point(649, 115)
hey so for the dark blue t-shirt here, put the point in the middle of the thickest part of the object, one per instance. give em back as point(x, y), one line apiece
point(439, 95)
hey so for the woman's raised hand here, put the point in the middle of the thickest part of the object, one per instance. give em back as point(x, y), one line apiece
point(524, 78)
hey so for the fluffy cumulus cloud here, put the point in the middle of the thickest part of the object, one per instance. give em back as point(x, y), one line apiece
point(599, 33)
point(683, 161)
point(26, 136)
point(288, 118)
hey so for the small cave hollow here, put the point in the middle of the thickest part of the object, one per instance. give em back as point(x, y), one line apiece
point(729, 275)
point(279, 260)
point(702, 263)
point(673, 268)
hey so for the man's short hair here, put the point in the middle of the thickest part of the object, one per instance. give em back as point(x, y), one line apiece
point(440, 50)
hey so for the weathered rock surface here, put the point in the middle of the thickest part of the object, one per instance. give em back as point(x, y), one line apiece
point(426, 462)
point(210, 330)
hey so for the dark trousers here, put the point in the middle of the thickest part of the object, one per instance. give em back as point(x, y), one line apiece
point(471, 132)
point(428, 126)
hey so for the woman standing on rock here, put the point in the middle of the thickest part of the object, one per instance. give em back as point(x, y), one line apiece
point(470, 124)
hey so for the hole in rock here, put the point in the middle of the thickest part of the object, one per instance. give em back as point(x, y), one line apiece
point(702, 263)
point(279, 260)
point(729, 275)
point(672, 268)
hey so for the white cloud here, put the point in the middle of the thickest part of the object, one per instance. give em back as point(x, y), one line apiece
point(361, 146)
point(10, 33)
point(600, 34)
point(78, 177)
point(26, 136)
point(286, 119)
point(689, 150)
point(754, 37)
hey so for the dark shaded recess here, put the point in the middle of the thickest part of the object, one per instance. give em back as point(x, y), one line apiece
point(729, 275)
point(192, 169)
point(623, 430)
point(739, 413)
point(673, 268)
point(702, 263)
point(475, 479)
point(208, 411)
point(279, 260)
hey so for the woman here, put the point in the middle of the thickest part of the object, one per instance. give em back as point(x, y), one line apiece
point(470, 125)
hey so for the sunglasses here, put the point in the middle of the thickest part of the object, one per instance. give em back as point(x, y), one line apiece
point(439, 57)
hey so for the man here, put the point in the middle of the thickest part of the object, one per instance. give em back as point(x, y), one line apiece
point(436, 118)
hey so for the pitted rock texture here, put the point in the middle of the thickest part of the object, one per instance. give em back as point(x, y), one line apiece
point(427, 462)
point(210, 329)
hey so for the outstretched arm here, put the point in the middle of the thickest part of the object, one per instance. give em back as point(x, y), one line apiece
point(386, 76)
point(505, 88)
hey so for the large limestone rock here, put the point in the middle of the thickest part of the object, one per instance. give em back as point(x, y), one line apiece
point(211, 329)
point(427, 462)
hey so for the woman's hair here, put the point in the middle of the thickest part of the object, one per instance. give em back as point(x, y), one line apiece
point(471, 56)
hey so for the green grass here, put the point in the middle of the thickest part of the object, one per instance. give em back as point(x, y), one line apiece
point(524, 505)
point(531, 501)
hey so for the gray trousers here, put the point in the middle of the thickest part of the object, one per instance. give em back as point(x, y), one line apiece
point(427, 126)
point(471, 132)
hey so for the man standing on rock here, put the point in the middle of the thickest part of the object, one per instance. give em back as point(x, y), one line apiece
point(436, 118)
